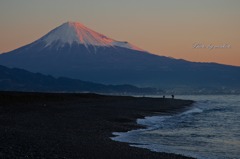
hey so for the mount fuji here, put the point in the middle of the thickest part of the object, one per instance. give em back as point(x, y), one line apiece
point(75, 51)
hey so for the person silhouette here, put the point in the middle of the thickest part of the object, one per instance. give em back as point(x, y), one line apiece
point(172, 96)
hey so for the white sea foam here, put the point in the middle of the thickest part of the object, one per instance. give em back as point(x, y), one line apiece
point(210, 130)
point(192, 111)
point(152, 120)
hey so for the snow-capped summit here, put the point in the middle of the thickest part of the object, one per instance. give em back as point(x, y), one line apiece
point(71, 32)
point(74, 32)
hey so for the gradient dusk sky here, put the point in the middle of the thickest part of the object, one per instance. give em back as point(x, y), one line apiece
point(163, 27)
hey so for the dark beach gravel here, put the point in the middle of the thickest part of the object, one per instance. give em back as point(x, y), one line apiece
point(76, 126)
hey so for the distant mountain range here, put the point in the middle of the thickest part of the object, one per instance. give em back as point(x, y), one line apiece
point(20, 80)
point(75, 51)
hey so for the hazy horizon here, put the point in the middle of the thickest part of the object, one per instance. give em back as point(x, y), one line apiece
point(187, 29)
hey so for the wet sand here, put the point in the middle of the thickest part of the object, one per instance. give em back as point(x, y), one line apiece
point(79, 126)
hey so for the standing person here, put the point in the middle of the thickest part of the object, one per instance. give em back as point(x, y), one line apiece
point(172, 96)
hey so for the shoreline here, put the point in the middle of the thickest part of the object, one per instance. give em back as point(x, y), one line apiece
point(53, 125)
point(146, 127)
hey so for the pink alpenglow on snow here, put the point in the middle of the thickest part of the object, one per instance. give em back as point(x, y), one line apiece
point(74, 32)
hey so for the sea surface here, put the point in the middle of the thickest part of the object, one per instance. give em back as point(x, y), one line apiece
point(210, 129)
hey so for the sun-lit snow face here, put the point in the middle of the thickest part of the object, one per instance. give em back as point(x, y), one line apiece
point(88, 36)
point(73, 32)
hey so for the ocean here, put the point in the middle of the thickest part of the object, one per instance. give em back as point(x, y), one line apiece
point(210, 129)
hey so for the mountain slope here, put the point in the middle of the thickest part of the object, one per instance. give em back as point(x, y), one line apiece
point(73, 50)
point(21, 80)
